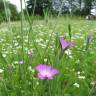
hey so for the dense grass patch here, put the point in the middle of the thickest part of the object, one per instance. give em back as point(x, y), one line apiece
point(22, 48)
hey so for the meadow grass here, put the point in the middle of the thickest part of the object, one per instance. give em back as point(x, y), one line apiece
point(39, 43)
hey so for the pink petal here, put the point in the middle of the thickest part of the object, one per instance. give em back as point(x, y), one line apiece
point(41, 76)
point(65, 44)
point(54, 72)
point(50, 78)
point(42, 67)
point(46, 72)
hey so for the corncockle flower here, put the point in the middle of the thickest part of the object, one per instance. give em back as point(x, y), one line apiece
point(65, 44)
point(46, 72)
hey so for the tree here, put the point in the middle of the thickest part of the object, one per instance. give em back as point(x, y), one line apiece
point(78, 7)
point(38, 6)
point(13, 12)
point(8, 11)
point(87, 6)
point(81, 7)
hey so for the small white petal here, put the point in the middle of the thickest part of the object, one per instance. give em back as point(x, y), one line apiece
point(1, 71)
point(76, 85)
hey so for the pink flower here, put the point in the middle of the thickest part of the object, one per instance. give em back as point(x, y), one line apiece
point(46, 72)
point(65, 44)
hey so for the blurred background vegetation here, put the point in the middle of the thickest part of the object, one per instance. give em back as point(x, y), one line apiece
point(9, 11)
point(77, 7)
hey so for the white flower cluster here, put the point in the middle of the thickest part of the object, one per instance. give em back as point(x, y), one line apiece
point(1, 71)
point(76, 85)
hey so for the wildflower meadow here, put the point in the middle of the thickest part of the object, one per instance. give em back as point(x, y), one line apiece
point(53, 56)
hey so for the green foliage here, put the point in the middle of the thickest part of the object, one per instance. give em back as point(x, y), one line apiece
point(76, 6)
point(13, 12)
point(37, 7)
point(2, 13)
point(21, 79)
point(8, 11)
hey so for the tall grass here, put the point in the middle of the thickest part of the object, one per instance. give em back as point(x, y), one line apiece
point(31, 42)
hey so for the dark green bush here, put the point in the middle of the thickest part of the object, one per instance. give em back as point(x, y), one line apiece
point(9, 13)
